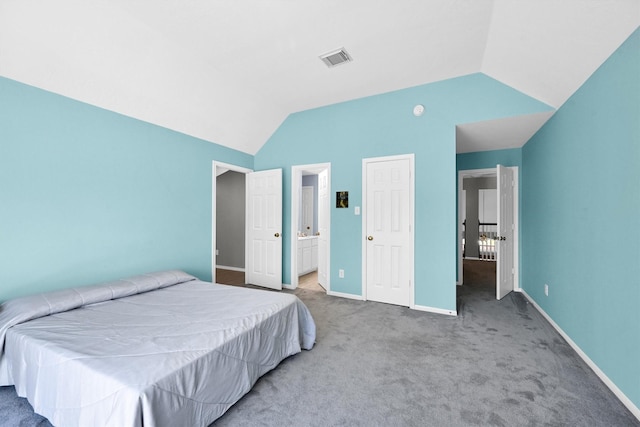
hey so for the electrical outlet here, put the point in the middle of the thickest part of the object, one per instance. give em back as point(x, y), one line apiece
point(546, 289)
point(341, 273)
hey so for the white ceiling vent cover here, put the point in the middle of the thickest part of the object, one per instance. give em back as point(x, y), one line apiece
point(336, 57)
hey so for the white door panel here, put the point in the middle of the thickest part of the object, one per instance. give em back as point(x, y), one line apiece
point(264, 229)
point(388, 245)
point(505, 259)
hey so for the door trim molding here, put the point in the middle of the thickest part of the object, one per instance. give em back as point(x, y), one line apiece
point(412, 186)
point(296, 189)
point(214, 166)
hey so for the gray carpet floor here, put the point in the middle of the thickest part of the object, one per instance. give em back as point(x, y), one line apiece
point(499, 363)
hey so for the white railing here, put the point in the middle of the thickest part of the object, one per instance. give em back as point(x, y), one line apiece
point(487, 233)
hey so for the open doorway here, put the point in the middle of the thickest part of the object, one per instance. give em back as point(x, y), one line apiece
point(310, 226)
point(480, 217)
point(228, 223)
point(487, 238)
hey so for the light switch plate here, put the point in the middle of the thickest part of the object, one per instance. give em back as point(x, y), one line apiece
point(356, 210)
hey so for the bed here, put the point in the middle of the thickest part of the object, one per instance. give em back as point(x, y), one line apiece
point(162, 349)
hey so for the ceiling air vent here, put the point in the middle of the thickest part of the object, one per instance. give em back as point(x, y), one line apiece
point(336, 57)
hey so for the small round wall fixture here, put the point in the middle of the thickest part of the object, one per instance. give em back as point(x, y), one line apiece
point(418, 110)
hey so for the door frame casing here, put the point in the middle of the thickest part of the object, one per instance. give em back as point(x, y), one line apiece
point(470, 173)
point(412, 180)
point(214, 191)
point(296, 189)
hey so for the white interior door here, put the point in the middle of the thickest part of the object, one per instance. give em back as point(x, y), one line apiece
point(323, 227)
point(505, 239)
point(264, 229)
point(389, 238)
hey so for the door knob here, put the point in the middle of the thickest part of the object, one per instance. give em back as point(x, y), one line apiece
point(277, 234)
point(370, 238)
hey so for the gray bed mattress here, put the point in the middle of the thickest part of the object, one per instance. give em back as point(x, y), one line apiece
point(148, 351)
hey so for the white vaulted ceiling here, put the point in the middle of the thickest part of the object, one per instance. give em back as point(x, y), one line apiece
point(230, 71)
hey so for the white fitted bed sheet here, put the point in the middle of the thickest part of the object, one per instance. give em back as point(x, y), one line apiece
point(179, 355)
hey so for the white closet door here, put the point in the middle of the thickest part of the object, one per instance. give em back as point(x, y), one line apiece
point(388, 244)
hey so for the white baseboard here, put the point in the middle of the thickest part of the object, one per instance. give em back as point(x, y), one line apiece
point(415, 307)
point(288, 286)
point(225, 267)
point(435, 310)
point(344, 295)
point(619, 394)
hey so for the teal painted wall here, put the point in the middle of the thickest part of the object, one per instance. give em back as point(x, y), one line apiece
point(343, 134)
point(489, 159)
point(581, 210)
point(87, 195)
